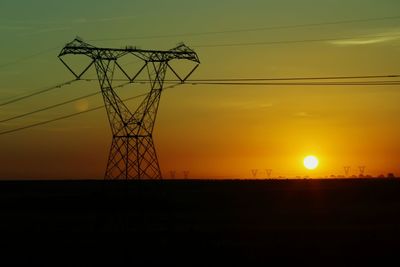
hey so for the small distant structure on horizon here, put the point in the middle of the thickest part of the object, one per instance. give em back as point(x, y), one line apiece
point(268, 172)
point(185, 174)
point(362, 170)
point(346, 170)
point(254, 173)
point(172, 174)
point(391, 175)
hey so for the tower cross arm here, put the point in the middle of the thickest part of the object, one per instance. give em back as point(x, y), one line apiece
point(181, 51)
point(79, 47)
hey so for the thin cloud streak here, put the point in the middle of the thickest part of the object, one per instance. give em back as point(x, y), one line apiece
point(304, 114)
point(375, 40)
point(381, 37)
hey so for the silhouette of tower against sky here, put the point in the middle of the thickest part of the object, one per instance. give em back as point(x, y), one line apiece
point(346, 170)
point(254, 173)
point(362, 169)
point(132, 154)
point(186, 174)
point(268, 172)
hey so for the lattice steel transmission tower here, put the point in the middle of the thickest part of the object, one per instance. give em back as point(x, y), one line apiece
point(132, 154)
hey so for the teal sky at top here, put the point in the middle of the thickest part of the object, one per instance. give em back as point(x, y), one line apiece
point(33, 32)
point(28, 27)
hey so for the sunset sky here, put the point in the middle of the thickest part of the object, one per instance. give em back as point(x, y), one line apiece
point(212, 131)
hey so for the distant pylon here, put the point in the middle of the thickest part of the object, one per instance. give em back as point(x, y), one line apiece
point(362, 169)
point(254, 173)
point(346, 171)
point(172, 174)
point(185, 174)
point(132, 154)
point(268, 172)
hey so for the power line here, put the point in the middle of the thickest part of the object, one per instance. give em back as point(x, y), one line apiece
point(294, 26)
point(57, 105)
point(358, 77)
point(48, 107)
point(37, 92)
point(204, 83)
point(292, 41)
point(22, 59)
point(299, 83)
point(73, 114)
point(52, 120)
point(376, 76)
point(236, 81)
point(299, 78)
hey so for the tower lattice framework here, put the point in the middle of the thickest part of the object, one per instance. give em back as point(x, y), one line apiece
point(132, 154)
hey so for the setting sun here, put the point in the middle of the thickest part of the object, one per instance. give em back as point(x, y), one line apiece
point(310, 162)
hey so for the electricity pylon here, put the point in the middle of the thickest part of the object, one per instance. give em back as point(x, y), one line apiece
point(132, 154)
point(346, 171)
point(362, 169)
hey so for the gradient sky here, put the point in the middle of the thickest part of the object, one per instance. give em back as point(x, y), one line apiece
point(213, 131)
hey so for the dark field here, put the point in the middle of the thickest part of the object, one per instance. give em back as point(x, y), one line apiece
point(298, 222)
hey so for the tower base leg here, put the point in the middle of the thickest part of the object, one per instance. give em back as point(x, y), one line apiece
point(133, 158)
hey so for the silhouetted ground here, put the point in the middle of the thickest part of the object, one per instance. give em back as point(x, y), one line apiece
point(301, 222)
